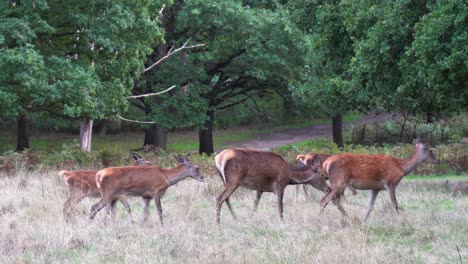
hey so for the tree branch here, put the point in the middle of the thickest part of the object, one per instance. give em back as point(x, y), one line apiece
point(151, 94)
point(222, 64)
point(233, 103)
point(171, 52)
point(136, 121)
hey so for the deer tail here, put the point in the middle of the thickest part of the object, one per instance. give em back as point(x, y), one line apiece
point(66, 174)
point(220, 163)
point(99, 176)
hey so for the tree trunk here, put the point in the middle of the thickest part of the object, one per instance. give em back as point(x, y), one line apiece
point(86, 132)
point(337, 125)
point(156, 135)
point(206, 135)
point(22, 135)
point(429, 117)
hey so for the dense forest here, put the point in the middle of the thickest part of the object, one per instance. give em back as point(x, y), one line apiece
point(79, 62)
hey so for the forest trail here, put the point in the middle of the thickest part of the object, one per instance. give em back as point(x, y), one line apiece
point(283, 137)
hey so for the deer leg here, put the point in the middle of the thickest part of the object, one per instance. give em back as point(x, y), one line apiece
point(258, 195)
point(146, 202)
point(337, 202)
point(71, 203)
point(391, 192)
point(97, 207)
point(305, 187)
point(230, 208)
point(111, 209)
point(279, 194)
point(228, 190)
point(127, 207)
point(157, 201)
point(373, 195)
point(297, 192)
point(327, 198)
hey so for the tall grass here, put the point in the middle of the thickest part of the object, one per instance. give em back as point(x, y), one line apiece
point(430, 228)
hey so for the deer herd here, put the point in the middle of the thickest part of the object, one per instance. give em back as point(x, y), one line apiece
point(261, 171)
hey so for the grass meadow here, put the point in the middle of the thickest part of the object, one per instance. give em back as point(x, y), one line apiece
point(432, 228)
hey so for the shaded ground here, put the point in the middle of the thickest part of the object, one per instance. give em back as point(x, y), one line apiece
point(284, 137)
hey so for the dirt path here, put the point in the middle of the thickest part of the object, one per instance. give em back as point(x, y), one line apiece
point(283, 137)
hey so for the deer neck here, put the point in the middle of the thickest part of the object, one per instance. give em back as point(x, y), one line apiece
point(410, 163)
point(175, 175)
point(299, 175)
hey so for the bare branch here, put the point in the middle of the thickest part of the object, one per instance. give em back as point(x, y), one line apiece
point(161, 10)
point(151, 94)
point(136, 121)
point(172, 51)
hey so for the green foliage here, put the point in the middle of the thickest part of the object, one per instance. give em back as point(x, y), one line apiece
point(361, 52)
point(436, 63)
point(267, 110)
point(448, 130)
point(77, 59)
point(249, 49)
point(70, 155)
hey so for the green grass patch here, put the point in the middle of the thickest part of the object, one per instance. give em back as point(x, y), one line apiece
point(434, 177)
point(440, 206)
point(426, 247)
point(393, 232)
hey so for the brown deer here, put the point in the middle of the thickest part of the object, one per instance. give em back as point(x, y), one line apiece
point(82, 183)
point(307, 160)
point(370, 172)
point(261, 171)
point(149, 182)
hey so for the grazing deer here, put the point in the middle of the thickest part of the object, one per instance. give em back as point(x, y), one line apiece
point(307, 160)
point(262, 171)
point(370, 172)
point(82, 183)
point(149, 182)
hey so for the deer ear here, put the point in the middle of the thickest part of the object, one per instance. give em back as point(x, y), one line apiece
point(300, 157)
point(180, 158)
point(135, 156)
point(316, 161)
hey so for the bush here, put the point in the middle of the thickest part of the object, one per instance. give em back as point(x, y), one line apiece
point(453, 157)
point(405, 129)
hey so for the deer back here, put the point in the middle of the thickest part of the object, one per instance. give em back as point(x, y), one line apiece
point(130, 176)
point(252, 168)
point(369, 171)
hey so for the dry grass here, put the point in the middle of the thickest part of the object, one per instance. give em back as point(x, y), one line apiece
point(429, 230)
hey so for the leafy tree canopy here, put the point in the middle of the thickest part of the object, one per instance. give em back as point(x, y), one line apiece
point(75, 58)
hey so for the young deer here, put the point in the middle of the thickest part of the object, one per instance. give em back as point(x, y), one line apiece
point(370, 172)
point(149, 182)
point(307, 160)
point(261, 171)
point(82, 183)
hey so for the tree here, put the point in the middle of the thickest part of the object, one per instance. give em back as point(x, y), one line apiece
point(323, 87)
point(23, 81)
point(435, 65)
point(249, 50)
point(86, 55)
point(411, 50)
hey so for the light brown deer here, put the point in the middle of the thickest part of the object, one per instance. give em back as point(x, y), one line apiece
point(307, 160)
point(82, 183)
point(370, 172)
point(261, 171)
point(149, 182)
